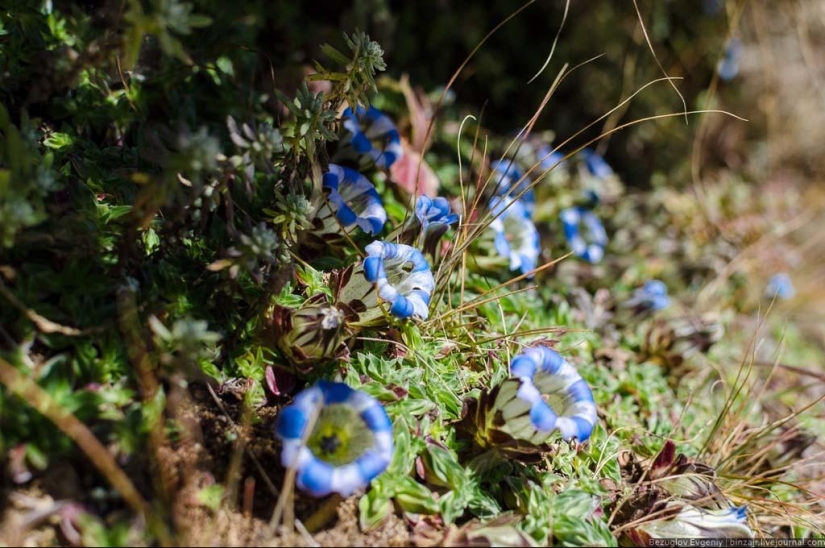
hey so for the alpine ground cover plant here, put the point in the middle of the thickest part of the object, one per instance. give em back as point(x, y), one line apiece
point(228, 318)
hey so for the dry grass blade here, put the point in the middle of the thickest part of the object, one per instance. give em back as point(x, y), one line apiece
point(555, 41)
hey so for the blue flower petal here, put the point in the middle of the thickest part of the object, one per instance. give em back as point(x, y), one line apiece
point(335, 392)
point(315, 478)
point(376, 418)
point(402, 308)
point(650, 297)
point(370, 465)
point(542, 417)
point(374, 269)
point(291, 423)
point(523, 366)
point(781, 286)
point(596, 164)
point(548, 360)
point(506, 178)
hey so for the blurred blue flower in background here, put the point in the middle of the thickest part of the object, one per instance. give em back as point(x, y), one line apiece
point(781, 286)
point(353, 200)
point(589, 246)
point(729, 65)
point(516, 237)
point(651, 296)
point(506, 180)
point(374, 135)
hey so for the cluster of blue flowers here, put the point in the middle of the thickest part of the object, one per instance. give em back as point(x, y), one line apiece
point(400, 274)
point(514, 204)
point(512, 208)
point(335, 438)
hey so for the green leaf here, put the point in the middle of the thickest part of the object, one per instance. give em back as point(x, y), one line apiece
point(211, 496)
point(58, 141)
point(374, 509)
point(414, 497)
point(335, 55)
point(197, 21)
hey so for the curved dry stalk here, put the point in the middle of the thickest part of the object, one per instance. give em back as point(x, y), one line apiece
point(555, 41)
point(41, 401)
point(656, 58)
point(43, 324)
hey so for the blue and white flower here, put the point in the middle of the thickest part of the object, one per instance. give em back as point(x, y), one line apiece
point(337, 439)
point(692, 522)
point(373, 135)
point(652, 296)
point(589, 246)
point(516, 236)
point(550, 159)
point(780, 285)
point(434, 213)
point(402, 277)
point(729, 64)
point(596, 165)
point(352, 201)
point(545, 394)
point(510, 181)
point(433, 217)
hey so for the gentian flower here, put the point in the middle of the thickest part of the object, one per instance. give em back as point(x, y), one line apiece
point(516, 237)
point(402, 276)
point(650, 297)
point(506, 176)
point(692, 522)
point(518, 417)
point(337, 439)
point(373, 135)
point(432, 218)
point(729, 65)
point(781, 286)
point(353, 201)
point(551, 396)
point(549, 158)
point(396, 274)
point(592, 248)
point(596, 164)
point(434, 213)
